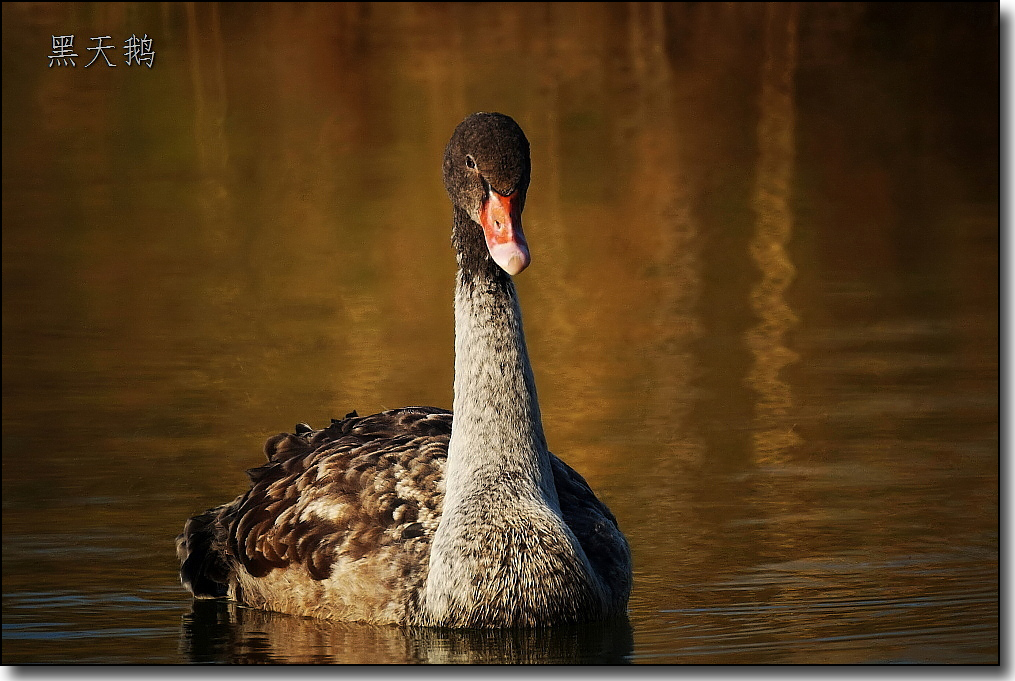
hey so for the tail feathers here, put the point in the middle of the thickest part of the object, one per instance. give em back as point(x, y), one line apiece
point(205, 566)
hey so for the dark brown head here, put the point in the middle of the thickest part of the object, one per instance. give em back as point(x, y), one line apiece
point(486, 173)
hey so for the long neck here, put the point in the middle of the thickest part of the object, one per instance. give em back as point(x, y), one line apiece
point(502, 554)
point(497, 438)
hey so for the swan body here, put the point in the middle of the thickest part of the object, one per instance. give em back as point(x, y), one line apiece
point(414, 516)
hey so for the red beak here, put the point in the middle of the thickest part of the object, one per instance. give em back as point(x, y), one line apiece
point(501, 217)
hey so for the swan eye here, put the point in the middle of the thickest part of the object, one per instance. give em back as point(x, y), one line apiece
point(470, 162)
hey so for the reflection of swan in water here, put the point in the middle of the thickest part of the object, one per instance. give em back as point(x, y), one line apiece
point(223, 632)
point(404, 518)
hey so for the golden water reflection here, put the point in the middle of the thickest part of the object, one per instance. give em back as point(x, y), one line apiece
point(772, 196)
point(217, 631)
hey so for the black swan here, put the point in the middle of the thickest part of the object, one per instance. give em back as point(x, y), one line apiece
point(411, 517)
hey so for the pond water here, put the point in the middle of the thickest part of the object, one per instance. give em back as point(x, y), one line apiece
point(762, 309)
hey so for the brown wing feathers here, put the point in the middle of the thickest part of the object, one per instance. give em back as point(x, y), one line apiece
point(324, 494)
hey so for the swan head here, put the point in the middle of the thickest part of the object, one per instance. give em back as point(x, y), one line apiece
point(486, 173)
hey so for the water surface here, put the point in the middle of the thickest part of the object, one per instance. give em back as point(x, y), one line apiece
point(762, 308)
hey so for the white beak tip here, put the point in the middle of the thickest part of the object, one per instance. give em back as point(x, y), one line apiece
point(511, 258)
